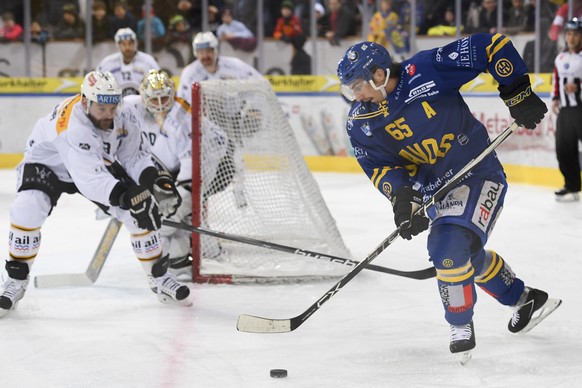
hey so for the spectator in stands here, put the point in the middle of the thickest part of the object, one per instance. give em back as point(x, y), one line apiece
point(383, 22)
point(38, 33)
point(548, 50)
point(100, 23)
point(486, 18)
point(10, 30)
point(520, 18)
point(158, 29)
point(122, 17)
point(562, 16)
point(288, 25)
point(300, 60)
point(179, 30)
point(342, 22)
point(447, 25)
point(235, 33)
point(71, 27)
point(321, 19)
point(433, 15)
point(192, 12)
point(245, 11)
point(51, 11)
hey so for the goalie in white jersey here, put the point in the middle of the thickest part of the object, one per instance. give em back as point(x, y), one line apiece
point(166, 124)
point(210, 66)
point(83, 146)
point(129, 66)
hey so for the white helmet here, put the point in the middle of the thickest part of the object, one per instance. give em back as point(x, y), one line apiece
point(101, 88)
point(204, 40)
point(125, 34)
point(157, 91)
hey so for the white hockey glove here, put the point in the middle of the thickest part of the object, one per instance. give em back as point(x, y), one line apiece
point(166, 195)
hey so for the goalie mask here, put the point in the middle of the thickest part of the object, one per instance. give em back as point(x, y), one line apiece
point(358, 65)
point(204, 40)
point(157, 91)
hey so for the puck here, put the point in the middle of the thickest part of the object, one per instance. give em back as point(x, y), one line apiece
point(278, 373)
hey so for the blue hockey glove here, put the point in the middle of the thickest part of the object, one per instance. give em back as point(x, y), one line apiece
point(405, 202)
point(524, 105)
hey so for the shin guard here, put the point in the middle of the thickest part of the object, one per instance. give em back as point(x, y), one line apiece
point(23, 244)
point(498, 280)
point(148, 249)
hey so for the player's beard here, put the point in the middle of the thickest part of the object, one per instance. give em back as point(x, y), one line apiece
point(103, 124)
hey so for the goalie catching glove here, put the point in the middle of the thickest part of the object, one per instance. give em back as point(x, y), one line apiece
point(166, 194)
point(405, 202)
point(524, 105)
point(142, 207)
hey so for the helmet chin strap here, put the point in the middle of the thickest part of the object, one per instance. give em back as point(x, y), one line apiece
point(381, 88)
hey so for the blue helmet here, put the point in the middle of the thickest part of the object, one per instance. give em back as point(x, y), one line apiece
point(360, 61)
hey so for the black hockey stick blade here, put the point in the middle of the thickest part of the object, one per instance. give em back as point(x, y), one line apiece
point(90, 276)
point(421, 274)
point(254, 324)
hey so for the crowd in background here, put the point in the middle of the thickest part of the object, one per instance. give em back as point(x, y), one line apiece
point(235, 21)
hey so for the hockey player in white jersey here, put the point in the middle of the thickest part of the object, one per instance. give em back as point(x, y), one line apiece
point(166, 124)
point(72, 150)
point(210, 66)
point(128, 65)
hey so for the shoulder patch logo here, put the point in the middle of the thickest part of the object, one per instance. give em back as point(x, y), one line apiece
point(84, 146)
point(453, 55)
point(503, 67)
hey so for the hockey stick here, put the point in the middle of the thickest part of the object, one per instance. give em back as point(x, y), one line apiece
point(254, 324)
point(419, 275)
point(95, 266)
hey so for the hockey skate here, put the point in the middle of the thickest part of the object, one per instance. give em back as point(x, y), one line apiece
point(462, 341)
point(532, 308)
point(169, 291)
point(565, 195)
point(14, 290)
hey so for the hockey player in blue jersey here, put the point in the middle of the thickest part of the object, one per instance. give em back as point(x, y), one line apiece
point(411, 131)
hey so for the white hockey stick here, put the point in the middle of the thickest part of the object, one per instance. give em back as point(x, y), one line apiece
point(95, 266)
point(254, 324)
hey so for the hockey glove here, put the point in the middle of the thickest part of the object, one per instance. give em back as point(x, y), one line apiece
point(524, 105)
point(142, 206)
point(405, 202)
point(166, 195)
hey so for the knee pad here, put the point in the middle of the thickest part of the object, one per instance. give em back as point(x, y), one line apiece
point(498, 280)
point(23, 244)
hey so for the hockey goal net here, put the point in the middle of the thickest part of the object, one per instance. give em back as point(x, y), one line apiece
point(250, 179)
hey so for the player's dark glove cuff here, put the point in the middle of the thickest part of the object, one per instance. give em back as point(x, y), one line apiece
point(524, 105)
point(405, 202)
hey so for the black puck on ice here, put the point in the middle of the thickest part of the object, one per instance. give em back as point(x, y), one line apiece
point(278, 373)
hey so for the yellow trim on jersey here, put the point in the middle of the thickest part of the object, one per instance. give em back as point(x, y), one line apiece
point(496, 45)
point(64, 114)
point(492, 270)
point(456, 275)
point(380, 176)
point(368, 115)
point(183, 103)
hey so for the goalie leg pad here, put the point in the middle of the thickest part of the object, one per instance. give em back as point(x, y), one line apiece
point(449, 248)
point(498, 280)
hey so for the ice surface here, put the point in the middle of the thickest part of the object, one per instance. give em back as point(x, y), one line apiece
point(379, 331)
